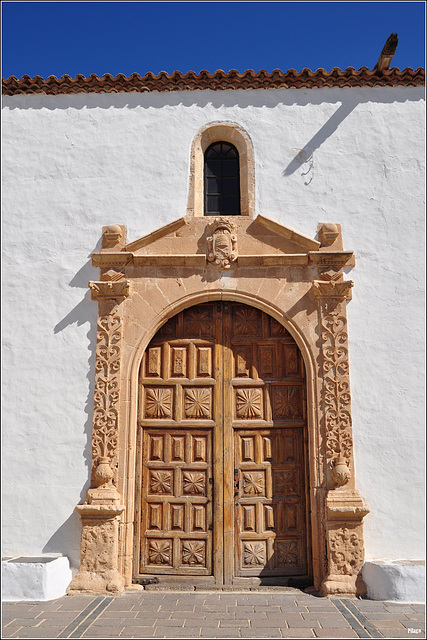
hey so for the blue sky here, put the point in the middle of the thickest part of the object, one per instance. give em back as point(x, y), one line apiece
point(56, 38)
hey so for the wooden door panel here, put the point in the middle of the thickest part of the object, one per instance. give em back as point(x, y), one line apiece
point(222, 404)
point(176, 502)
point(270, 503)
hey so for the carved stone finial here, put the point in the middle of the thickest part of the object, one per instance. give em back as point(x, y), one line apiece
point(113, 236)
point(222, 245)
point(103, 472)
point(329, 233)
point(340, 472)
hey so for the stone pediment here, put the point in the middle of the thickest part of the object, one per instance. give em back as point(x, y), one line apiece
point(225, 242)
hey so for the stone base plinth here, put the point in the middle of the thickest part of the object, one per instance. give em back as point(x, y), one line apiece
point(403, 581)
point(99, 549)
point(40, 578)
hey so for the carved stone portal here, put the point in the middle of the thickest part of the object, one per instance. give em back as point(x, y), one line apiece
point(143, 286)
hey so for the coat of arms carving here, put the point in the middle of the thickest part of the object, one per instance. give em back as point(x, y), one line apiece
point(222, 245)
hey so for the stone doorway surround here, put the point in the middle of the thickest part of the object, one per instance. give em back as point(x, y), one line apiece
point(296, 280)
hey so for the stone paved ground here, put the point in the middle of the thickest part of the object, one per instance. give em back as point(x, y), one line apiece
point(210, 614)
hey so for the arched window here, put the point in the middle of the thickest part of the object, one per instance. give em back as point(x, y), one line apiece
point(222, 180)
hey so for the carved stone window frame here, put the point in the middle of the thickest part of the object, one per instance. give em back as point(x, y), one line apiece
point(301, 285)
point(222, 132)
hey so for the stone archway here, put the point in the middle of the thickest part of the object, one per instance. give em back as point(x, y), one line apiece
point(297, 281)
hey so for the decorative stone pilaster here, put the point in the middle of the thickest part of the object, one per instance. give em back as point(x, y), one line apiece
point(344, 508)
point(101, 511)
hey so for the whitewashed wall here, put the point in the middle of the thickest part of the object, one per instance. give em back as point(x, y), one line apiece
point(74, 163)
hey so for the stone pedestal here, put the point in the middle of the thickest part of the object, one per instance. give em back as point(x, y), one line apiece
point(345, 511)
point(99, 543)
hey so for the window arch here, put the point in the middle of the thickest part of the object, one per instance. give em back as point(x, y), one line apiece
point(222, 180)
point(235, 136)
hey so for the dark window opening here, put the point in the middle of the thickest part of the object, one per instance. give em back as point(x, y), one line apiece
point(222, 180)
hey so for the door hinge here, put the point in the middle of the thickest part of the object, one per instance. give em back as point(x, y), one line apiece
point(211, 480)
point(210, 527)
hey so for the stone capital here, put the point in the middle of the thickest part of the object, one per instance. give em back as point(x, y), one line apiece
point(103, 290)
point(332, 290)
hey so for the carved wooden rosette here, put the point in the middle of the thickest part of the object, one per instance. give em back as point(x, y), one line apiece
point(344, 508)
point(101, 511)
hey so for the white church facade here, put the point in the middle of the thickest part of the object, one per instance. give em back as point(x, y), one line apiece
point(213, 329)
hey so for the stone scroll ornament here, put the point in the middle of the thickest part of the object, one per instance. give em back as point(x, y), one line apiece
point(100, 513)
point(336, 383)
point(222, 244)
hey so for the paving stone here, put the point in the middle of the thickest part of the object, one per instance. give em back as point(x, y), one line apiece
point(107, 613)
point(234, 623)
point(137, 632)
point(388, 624)
point(383, 615)
point(409, 624)
point(260, 633)
point(297, 633)
point(394, 633)
point(59, 616)
point(335, 633)
point(268, 624)
point(38, 633)
point(210, 632)
point(418, 617)
point(24, 622)
point(173, 632)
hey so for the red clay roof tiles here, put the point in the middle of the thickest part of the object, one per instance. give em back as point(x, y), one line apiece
point(217, 81)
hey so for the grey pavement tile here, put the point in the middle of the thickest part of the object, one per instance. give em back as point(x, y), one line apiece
point(326, 619)
point(75, 603)
point(382, 615)
point(271, 608)
point(418, 606)
point(268, 624)
point(242, 608)
point(233, 624)
point(297, 633)
point(419, 617)
point(394, 633)
point(24, 622)
point(335, 633)
point(409, 624)
point(137, 632)
point(388, 624)
point(107, 613)
point(169, 632)
point(60, 616)
point(260, 633)
point(101, 632)
point(42, 633)
point(209, 632)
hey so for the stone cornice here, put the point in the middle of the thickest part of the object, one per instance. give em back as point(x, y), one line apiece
point(111, 259)
point(273, 260)
point(332, 258)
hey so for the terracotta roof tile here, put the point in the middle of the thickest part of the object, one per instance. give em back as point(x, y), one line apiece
point(217, 81)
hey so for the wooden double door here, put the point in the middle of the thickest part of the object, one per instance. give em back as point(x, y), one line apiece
point(222, 471)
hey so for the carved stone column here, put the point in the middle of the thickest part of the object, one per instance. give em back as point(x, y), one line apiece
point(344, 507)
point(102, 508)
